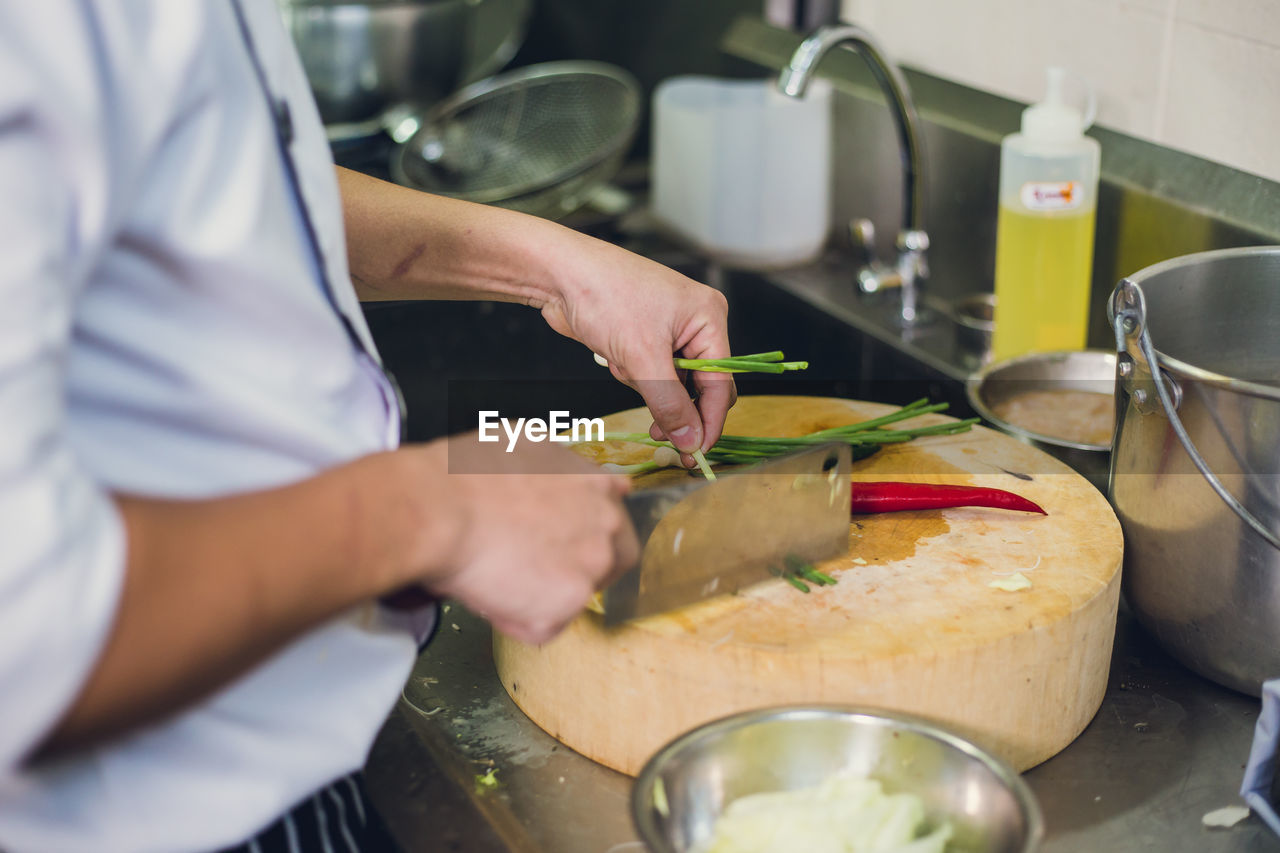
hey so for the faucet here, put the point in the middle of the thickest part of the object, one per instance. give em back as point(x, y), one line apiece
point(908, 274)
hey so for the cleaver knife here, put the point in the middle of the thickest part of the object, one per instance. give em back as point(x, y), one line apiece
point(708, 538)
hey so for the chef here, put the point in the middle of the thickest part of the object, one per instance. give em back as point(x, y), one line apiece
point(202, 499)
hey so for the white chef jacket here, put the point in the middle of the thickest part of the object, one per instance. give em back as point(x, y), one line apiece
point(164, 331)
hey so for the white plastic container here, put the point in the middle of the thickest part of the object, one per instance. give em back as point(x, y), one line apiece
point(742, 171)
point(1044, 233)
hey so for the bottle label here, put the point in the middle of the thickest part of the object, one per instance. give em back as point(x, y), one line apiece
point(1051, 195)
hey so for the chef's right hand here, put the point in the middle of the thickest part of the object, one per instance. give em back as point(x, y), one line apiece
point(535, 533)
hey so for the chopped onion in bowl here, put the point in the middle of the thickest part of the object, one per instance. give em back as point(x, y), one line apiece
point(844, 814)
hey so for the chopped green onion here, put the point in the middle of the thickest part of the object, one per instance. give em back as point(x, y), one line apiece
point(797, 572)
point(796, 582)
point(812, 575)
point(800, 568)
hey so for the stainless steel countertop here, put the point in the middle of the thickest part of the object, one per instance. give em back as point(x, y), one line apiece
point(1165, 748)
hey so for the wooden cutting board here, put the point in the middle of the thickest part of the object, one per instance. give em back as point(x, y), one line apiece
point(913, 624)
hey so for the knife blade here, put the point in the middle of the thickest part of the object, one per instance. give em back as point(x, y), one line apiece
point(715, 537)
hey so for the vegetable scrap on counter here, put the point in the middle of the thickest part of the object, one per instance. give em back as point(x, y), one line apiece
point(487, 781)
point(1225, 817)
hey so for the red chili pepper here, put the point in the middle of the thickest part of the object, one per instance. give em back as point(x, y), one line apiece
point(894, 497)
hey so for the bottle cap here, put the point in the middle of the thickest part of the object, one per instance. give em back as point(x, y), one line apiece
point(1053, 119)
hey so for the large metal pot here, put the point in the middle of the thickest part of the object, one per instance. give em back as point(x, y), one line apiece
point(1195, 465)
point(364, 58)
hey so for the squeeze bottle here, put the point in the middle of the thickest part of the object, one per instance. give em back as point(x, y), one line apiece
point(1044, 231)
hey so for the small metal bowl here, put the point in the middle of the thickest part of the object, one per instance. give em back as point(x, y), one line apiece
point(1071, 370)
point(974, 317)
point(988, 806)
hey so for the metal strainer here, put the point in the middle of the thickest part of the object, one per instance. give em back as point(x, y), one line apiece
point(537, 140)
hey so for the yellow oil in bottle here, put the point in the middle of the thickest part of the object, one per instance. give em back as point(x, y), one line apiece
point(1043, 270)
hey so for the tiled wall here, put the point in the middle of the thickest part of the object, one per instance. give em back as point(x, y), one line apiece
point(1202, 76)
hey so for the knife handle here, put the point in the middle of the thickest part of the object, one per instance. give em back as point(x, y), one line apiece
point(407, 598)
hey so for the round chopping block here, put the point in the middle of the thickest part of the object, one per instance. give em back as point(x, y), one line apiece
point(913, 624)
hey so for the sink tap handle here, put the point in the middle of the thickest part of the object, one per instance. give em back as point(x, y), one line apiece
point(913, 270)
point(862, 236)
point(873, 276)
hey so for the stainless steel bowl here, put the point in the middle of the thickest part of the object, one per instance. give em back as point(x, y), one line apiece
point(363, 59)
point(989, 807)
point(974, 317)
point(1074, 370)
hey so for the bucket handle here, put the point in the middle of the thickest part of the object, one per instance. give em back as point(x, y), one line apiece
point(1129, 322)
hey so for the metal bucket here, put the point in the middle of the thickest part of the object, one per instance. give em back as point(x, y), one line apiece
point(1195, 463)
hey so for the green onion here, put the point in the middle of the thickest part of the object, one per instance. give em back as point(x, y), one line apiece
point(663, 457)
point(775, 355)
point(864, 438)
point(633, 470)
point(756, 362)
point(741, 364)
point(701, 459)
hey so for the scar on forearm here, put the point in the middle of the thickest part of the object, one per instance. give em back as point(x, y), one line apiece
point(407, 261)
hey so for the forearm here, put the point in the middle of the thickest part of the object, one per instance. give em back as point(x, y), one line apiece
point(405, 244)
point(635, 313)
point(213, 587)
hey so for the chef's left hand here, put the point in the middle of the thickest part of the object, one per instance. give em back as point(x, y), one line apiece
point(639, 315)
